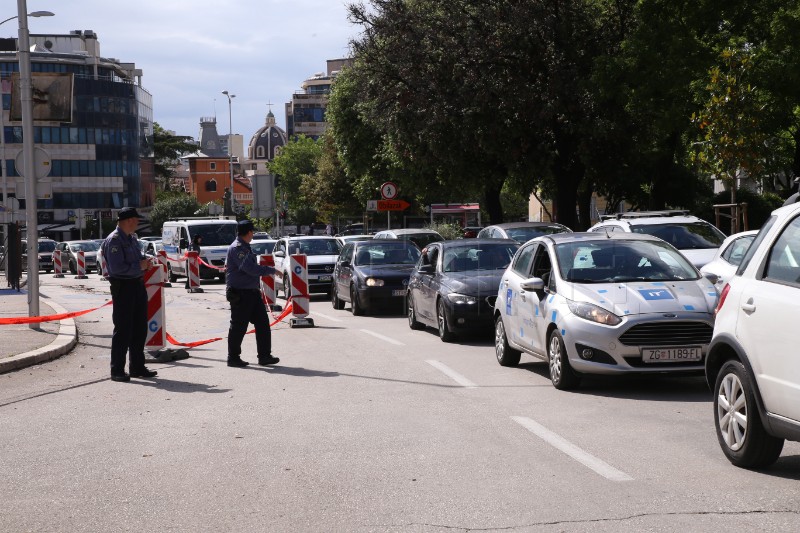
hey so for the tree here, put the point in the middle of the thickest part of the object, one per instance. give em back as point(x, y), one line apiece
point(167, 150)
point(171, 205)
point(297, 161)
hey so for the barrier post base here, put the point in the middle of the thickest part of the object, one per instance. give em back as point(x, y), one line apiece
point(166, 284)
point(301, 322)
point(276, 307)
point(196, 289)
point(165, 355)
point(58, 275)
point(81, 277)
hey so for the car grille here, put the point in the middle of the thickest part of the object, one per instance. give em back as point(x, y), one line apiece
point(320, 269)
point(672, 333)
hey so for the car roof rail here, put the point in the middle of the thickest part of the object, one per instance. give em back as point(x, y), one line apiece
point(644, 214)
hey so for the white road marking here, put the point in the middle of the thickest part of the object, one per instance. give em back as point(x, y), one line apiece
point(559, 442)
point(383, 337)
point(455, 376)
point(327, 317)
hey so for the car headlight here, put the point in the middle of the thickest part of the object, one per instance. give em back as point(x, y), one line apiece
point(460, 299)
point(374, 282)
point(593, 313)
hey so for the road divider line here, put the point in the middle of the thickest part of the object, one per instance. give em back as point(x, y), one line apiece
point(332, 319)
point(452, 374)
point(383, 337)
point(562, 444)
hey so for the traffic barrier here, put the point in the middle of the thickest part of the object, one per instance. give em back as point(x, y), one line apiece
point(5, 321)
point(58, 271)
point(102, 266)
point(81, 265)
point(298, 267)
point(193, 271)
point(208, 265)
point(268, 282)
point(163, 261)
point(156, 320)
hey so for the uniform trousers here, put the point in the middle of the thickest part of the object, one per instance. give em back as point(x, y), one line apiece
point(248, 307)
point(130, 324)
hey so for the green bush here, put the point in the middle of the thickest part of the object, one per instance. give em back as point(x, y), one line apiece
point(448, 231)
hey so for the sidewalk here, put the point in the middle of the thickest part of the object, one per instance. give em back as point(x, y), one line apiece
point(21, 345)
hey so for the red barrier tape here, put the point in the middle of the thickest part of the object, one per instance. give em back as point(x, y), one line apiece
point(48, 318)
point(211, 266)
point(174, 260)
point(172, 340)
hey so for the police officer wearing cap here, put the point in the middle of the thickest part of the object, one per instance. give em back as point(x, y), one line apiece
point(126, 265)
point(244, 295)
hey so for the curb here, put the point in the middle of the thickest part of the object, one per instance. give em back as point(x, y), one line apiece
point(66, 340)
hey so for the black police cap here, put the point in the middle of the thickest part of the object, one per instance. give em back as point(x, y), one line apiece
point(245, 227)
point(127, 212)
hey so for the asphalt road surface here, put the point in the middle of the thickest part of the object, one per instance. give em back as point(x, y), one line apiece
point(364, 425)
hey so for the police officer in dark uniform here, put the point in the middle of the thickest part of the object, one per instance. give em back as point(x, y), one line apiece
point(244, 295)
point(126, 265)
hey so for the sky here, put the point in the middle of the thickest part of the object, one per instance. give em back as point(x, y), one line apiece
point(191, 51)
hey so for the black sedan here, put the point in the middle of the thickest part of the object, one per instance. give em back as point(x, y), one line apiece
point(373, 273)
point(455, 283)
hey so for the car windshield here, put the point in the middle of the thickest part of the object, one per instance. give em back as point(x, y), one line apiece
point(684, 236)
point(399, 253)
point(214, 234)
point(262, 247)
point(422, 239)
point(478, 257)
point(88, 246)
point(47, 246)
point(618, 261)
point(526, 234)
point(315, 247)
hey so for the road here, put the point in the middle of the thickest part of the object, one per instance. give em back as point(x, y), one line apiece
point(365, 425)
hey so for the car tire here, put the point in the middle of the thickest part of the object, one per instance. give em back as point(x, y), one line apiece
point(47, 270)
point(355, 306)
point(221, 277)
point(561, 373)
point(441, 320)
point(73, 269)
point(337, 302)
point(413, 323)
point(506, 355)
point(287, 287)
point(172, 277)
point(740, 430)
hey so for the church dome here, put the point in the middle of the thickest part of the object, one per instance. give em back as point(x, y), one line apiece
point(267, 141)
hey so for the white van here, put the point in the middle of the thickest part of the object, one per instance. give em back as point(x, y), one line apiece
point(217, 235)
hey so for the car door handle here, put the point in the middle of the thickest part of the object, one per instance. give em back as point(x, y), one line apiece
point(749, 306)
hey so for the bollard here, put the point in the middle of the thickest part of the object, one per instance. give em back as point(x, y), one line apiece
point(298, 268)
point(81, 265)
point(57, 268)
point(163, 261)
point(156, 325)
point(193, 271)
point(268, 283)
point(102, 269)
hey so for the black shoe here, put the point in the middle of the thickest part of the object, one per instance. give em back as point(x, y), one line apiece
point(264, 361)
point(120, 377)
point(143, 373)
point(237, 363)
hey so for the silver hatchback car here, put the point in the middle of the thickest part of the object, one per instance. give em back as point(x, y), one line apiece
point(592, 303)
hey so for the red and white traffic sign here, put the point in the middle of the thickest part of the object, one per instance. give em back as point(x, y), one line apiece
point(389, 191)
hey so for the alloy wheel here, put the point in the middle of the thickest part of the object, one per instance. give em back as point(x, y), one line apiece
point(732, 411)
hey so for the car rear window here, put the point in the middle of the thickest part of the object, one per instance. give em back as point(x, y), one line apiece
point(684, 236)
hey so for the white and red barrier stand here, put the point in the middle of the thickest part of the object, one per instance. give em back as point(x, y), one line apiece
point(80, 261)
point(298, 268)
point(163, 262)
point(193, 271)
point(102, 267)
point(268, 283)
point(58, 269)
point(156, 321)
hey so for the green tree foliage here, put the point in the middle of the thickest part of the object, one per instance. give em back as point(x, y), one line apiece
point(171, 205)
point(297, 162)
point(167, 149)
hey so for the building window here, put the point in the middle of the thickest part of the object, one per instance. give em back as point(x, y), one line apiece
point(211, 185)
point(213, 166)
point(260, 151)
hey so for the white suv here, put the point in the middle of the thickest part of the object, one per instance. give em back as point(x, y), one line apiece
point(752, 366)
point(695, 238)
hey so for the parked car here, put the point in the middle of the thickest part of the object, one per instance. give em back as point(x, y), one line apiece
point(521, 231)
point(263, 246)
point(454, 285)
point(590, 303)
point(344, 239)
point(420, 237)
point(373, 273)
point(69, 254)
point(728, 257)
point(217, 234)
point(752, 365)
point(695, 238)
point(45, 248)
point(321, 252)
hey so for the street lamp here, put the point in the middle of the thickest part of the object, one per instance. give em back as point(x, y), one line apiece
point(230, 135)
point(31, 14)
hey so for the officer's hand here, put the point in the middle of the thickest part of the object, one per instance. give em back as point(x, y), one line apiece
point(145, 264)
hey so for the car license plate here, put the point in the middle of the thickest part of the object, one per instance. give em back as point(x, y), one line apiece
point(672, 355)
point(398, 292)
point(324, 278)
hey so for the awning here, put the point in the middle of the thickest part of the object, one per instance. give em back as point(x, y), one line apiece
point(60, 227)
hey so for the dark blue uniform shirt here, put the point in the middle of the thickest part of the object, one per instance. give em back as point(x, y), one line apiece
point(243, 270)
point(122, 255)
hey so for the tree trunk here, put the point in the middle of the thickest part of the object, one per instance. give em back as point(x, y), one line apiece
point(569, 173)
point(584, 209)
point(491, 202)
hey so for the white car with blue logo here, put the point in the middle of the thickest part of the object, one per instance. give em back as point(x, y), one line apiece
point(597, 303)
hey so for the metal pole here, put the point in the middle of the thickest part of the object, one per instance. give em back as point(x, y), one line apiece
point(230, 135)
point(26, 101)
point(6, 203)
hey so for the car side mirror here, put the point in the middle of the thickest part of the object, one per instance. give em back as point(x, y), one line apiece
point(426, 269)
point(713, 278)
point(279, 253)
point(345, 263)
point(532, 285)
